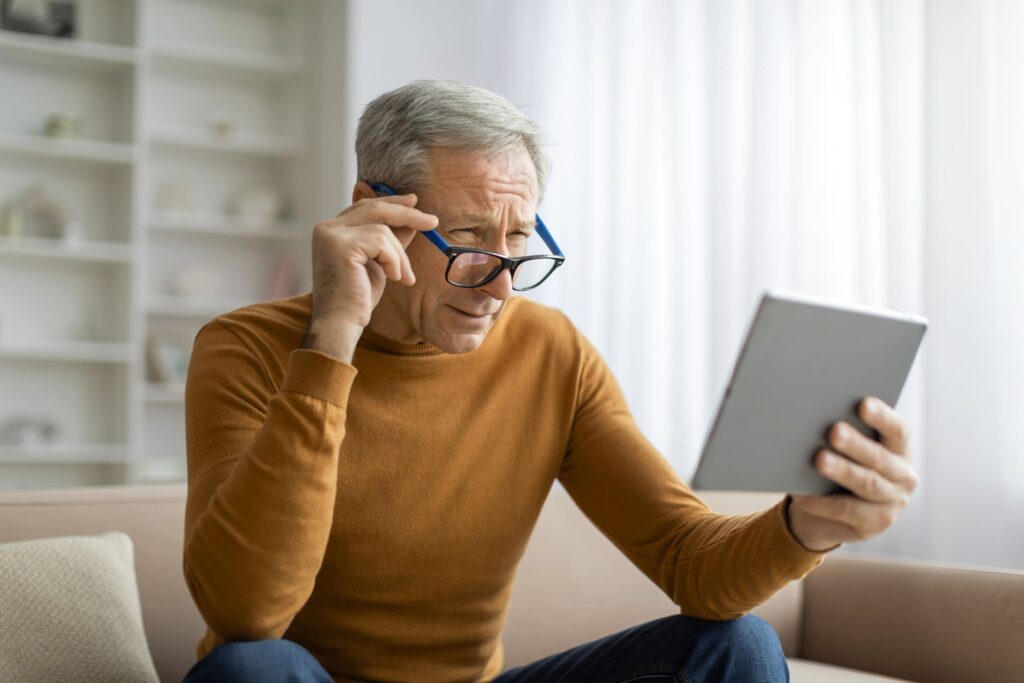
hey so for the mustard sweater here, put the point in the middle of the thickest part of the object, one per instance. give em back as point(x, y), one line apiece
point(375, 512)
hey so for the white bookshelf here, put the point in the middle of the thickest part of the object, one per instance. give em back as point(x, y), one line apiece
point(186, 104)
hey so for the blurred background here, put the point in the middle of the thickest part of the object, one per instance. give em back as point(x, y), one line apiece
point(162, 161)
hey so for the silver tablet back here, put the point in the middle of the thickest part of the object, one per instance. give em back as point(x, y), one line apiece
point(806, 364)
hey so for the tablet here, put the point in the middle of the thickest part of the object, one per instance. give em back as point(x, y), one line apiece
point(805, 364)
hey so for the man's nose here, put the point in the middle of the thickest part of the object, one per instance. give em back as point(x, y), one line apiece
point(499, 288)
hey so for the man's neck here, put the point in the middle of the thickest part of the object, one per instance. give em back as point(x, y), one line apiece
point(388, 321)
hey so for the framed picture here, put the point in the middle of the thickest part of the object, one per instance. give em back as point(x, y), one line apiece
point(55, 18)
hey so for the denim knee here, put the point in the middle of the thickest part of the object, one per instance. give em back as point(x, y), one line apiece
point(258, 661)
point(752, 642)
point(752, 633)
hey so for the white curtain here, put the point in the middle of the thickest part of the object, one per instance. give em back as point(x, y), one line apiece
point(707, 149)
point(866, 150)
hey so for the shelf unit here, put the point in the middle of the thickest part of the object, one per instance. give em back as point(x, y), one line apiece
point(187, 106)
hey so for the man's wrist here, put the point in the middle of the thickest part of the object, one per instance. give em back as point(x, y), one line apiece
point(335, 338)
point(792, 532)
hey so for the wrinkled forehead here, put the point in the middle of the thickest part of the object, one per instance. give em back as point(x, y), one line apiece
point(465, 184)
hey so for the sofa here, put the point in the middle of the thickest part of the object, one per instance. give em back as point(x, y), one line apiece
point(852, 619)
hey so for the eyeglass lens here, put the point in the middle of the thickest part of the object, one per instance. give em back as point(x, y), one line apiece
point(471, 268)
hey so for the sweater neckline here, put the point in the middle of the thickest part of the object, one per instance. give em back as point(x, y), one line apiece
point(371, 341)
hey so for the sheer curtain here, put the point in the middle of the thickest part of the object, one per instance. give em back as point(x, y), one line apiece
point(706, 149)
point(870, 151)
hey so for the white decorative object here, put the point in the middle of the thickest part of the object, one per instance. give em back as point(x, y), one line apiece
point(64, 124)
point(36, 213)
point(28, 431)
point(72, 232)
point(175, 195)
point(260, 204)
point(168, 364)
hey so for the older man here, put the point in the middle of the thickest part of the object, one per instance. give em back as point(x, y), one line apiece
point(367, 461)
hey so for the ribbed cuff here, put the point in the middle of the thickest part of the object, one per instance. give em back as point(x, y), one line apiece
point(319, 375)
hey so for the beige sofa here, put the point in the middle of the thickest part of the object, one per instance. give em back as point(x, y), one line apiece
point(850, 616)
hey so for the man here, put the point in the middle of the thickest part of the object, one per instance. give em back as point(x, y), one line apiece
point(367, 461)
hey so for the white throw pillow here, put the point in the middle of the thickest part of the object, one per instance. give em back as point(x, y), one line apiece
point(69, 611)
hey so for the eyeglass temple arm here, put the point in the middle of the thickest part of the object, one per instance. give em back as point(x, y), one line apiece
point(542, 230)
point(431, 235)
point(438, 241)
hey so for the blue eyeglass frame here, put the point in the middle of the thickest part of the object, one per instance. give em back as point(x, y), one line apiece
point(510, 262)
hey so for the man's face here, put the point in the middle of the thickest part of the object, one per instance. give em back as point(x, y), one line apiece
point(487, 203)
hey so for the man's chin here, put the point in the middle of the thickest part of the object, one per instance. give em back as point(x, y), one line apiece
point(460, 342)
point(455, 334)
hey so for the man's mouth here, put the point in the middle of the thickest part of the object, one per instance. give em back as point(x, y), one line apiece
point(476, 316)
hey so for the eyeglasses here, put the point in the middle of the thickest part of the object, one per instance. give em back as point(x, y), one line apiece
point(469, 267)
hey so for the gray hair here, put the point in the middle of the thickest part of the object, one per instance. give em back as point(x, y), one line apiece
point(398, 129)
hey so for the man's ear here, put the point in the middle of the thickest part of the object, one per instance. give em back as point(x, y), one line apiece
point(362, 190)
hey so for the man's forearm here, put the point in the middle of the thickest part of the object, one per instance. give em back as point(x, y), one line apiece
point(335, 338)
point(262, 488)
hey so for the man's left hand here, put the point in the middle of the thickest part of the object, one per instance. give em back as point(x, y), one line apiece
point(878, 473)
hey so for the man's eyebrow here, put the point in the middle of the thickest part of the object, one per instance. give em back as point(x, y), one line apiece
point(471, 219)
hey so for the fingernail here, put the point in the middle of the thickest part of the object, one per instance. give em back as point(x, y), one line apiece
point(871, 406)
point(841, 433)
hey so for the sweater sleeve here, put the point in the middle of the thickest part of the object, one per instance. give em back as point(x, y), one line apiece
point(262, 475)
point(713, 566)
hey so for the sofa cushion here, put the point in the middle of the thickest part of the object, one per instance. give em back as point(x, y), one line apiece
point(69, 611)
point(805, 671)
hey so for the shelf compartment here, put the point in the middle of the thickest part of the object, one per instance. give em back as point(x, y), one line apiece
point(77, 302)
point(104, 100)
point(223, 269)
point(96, 196)
point(266, 27)
point(89, 251)
point(86, 401)
point(211, 181)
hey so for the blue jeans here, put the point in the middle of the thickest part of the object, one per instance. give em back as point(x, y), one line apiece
point(674, 648)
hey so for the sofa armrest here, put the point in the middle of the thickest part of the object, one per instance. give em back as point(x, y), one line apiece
point(916, 620)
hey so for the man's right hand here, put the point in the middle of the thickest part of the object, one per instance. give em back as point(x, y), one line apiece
point(353, 256)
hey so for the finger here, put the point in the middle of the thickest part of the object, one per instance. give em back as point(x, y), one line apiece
point(870, 453)
point(379, 210)
point(865, 519)
point(403, 199)
point(889, 424)
point(380, 247)
point(865, 483)
point(408, 277)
